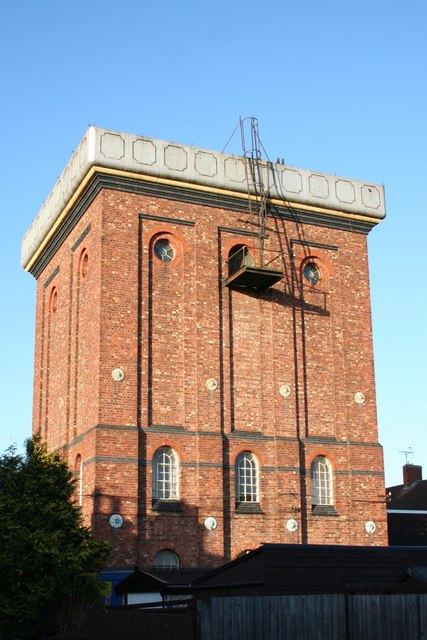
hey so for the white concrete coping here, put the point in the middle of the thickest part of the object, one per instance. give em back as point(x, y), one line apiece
point(213, 169)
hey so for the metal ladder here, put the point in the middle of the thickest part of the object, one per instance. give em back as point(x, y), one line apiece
point(257, 192)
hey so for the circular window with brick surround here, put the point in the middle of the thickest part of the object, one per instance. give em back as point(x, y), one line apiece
point(311, 273)
point(163, 250)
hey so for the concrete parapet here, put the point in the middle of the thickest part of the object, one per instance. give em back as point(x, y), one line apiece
point(212, 170)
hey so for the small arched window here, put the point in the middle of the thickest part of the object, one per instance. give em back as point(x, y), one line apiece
point(166, 559)
point(246, 478)
point(321, 482)
point(84, 263)
point(238, 257)
point(165, 475)
point(78, 475)
point(54, 300)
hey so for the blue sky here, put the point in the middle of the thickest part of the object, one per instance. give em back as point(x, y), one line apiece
point(338, 87)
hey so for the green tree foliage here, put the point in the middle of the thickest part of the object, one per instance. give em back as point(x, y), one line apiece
point(48, 559)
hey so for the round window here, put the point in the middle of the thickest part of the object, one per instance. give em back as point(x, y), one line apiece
point(164, 250)
point(311, 273)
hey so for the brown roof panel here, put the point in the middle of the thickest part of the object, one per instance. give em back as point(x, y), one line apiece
point(280, 569)
point(413, 497)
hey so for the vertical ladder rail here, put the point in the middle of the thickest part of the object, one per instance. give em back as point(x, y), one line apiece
point(254, 181)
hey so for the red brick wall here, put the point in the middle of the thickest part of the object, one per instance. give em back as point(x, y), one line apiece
point(170, 327)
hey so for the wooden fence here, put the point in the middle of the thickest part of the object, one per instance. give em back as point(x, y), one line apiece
point(314, 617)
point(139, 624)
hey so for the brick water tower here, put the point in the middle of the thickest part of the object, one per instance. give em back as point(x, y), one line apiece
point(204, 354)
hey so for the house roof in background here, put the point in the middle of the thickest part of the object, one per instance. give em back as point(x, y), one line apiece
point(412, 498)
point(282, 568)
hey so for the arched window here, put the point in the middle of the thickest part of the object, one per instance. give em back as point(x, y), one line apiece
point(78, 475)
point(54, 300)
point(246, 478)
point(165, 475)
point(166, 559)
point(238, 257)
point(321, 482)
point(84, 263)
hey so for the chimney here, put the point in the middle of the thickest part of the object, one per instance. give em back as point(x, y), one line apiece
point(411, 473)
